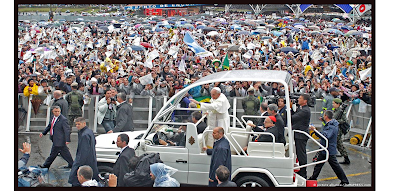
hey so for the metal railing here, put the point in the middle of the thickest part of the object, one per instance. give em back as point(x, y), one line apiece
point(319, 144)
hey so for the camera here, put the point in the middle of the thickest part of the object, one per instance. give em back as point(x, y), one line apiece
point(113, 99)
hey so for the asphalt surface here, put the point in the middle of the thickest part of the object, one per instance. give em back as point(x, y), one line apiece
point(358, 172)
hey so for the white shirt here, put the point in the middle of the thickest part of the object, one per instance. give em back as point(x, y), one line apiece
point(123, 148)
point(55, 119)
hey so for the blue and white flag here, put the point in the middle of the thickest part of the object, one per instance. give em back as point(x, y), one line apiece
point(196, 48)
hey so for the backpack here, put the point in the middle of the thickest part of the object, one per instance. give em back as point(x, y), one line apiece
point(250, 106)
point(74, 100)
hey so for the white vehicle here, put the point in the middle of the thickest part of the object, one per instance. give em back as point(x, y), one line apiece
point(267, 164)
point(84, 14)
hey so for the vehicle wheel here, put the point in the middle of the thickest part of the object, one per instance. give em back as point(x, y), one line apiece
point(252, 181)
point(104, 170)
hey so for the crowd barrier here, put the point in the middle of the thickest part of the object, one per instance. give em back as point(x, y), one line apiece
point(145, 108)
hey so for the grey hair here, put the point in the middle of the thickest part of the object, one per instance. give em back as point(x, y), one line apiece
point(273, 107)
point(121, 95)
point(55, 107)
point(217, 89)
point(86, 171)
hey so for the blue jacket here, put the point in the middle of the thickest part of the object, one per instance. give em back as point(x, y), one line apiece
point(330, 131)
point(220, 155)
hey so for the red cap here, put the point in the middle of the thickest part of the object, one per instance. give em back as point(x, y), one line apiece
point(273, 118)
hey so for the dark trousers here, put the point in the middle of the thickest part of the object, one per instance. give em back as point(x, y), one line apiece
point(301, 155)
point(64, 152)
point(334, 165)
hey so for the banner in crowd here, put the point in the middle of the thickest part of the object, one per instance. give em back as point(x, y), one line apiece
point(196, 48)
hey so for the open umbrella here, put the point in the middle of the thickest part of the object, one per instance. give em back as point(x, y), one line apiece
point(212, 33)
point(354, 33)
point(243, 33)
point(313, 27)
point(270, 26)
point(158, 29)
point(266, 37)
point(137, 48)
point(277, 33)
point(315, 32)
point(289, 49)
point(146, 45)
point(198, 34)
point(299, 26)
point(188, 26)
point(261, 31)
point(209, 29)
point(233, 48)
point(200, 26)
point(221, 46)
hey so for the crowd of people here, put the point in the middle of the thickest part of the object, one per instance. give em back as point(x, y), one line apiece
point(150, 57)
point(323, 56)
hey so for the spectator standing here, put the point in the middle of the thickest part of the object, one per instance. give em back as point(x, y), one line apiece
point(60, 136)
point(31, 88)
point(106, 112)
point(75, 103)
point(85, 152)
point(124, 115)
point(121, 165)
point(330, 131)
point(65, 84)
point(220, 155)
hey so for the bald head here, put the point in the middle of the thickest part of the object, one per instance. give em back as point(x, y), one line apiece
point(218, 133)
point(57, 94)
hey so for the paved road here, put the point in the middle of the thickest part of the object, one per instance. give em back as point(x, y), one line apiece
point(358, 172)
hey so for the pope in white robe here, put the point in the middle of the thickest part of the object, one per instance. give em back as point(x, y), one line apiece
point(218, 115)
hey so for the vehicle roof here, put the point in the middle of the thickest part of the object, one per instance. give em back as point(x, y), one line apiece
point(247, 75)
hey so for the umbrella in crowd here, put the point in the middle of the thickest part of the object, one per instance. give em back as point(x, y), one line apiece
point(270, 26)
point(206, 29)
point(266, 37)
point(313, 27)
point(221, 46)
point(137, 48)
point(212, 33)
point(276, 33)
point(146, 45)
point(200, 26)
point(243, 33)
point(233, 48)
point(353, 33)
point(289, 49)
point(105, 29)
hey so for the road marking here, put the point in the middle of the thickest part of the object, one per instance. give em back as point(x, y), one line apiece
point(354, 150)
point(349, 175)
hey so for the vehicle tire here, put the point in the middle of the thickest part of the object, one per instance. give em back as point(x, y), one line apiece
point(252, 181)
point(103, 170)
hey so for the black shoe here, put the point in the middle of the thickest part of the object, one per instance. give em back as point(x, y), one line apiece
point(342, 184)
point(41, 166)
point(346, 160)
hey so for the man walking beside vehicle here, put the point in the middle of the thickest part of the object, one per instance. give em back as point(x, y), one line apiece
point(330, 131)
point(85, 152)
point(60, 136)
point(121, 165)
point(220, 155)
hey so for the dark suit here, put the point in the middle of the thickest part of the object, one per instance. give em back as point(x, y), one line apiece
point(267, 138)
point(85, 155)
point(220, 155)
point(60, 136)
point(283, 114)
point(301, 121)
point(201, 127)
point(63, 105)
point(227, 184)
point(124, 118)
point(261, 120)
point(121, 165)
point(281, 129)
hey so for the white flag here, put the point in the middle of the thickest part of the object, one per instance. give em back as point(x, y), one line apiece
point(364, 74)
point(147, 79)
point(182, 66)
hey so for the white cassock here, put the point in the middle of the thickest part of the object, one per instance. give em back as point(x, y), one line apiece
point(218, 115)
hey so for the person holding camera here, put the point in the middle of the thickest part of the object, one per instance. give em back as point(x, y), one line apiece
point(106, 111)
point(340, 115)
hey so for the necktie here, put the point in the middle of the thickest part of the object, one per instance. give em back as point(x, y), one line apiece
point(52, 124)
